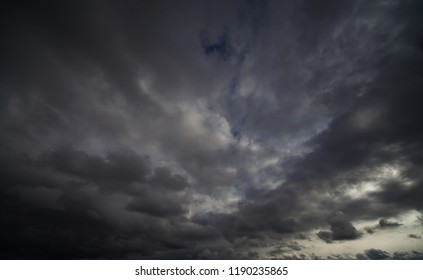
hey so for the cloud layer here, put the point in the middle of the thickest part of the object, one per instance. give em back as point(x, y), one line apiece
point(210, 129)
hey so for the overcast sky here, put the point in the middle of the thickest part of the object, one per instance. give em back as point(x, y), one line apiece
point(211, 129)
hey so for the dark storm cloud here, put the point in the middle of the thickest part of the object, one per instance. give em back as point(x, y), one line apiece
point(64, 52)
point(68, 207)
point(272, 211)
point(283, 248)
point(378, 129)
point(413, 255)
point(116, 168)
point(415, 236)
point(310, 94)
point(156, 206)
point(376, 254)
point(396, 193)
point(383, 224)
point(199, 129)
point(341, 229)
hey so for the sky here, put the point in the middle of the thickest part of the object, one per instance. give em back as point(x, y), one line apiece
point(211, 129)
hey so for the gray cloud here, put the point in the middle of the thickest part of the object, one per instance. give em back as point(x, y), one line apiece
point(376, 254)
point(387, 223)
point(341, 229)
point(206, 129)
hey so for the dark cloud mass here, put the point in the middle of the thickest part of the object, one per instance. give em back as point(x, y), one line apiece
point(341, 229)
point(211, 129)
point(376, 254)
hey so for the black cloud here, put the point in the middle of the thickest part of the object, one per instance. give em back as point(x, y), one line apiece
point(205, 129)
point(341, 229)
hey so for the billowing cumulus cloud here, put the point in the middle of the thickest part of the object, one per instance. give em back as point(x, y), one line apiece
point(211, 129)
